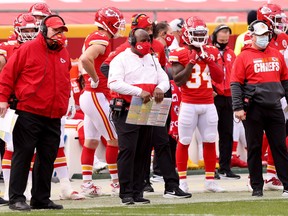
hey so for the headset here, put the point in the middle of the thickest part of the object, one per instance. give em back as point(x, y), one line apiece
point(251, 27)
point(217, 29)
point(135, 20)
point(132, 39)
point(43, 27)
point(180, 25)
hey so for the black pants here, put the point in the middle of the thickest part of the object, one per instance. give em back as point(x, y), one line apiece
point(156, 168)
point(160, 142)
point(173, 146)
point(2, 148)
point(33, 132)
point(225, 130)
point(134, 142)
point(272, 121)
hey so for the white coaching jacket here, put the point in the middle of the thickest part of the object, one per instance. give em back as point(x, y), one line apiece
point(129, 75)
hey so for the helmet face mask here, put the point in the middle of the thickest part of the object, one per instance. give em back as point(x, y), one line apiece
point(111, 20)
point(195, 32)
point(280, 23)
point(25, 28)
point(27, 34)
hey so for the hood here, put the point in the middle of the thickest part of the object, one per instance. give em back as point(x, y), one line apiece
point(249, 48)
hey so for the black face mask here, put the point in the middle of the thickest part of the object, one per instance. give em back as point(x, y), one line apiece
point(221, 46)
point(55, 45)
point(151, 38)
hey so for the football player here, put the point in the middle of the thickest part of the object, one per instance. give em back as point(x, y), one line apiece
point(95, 99)
point(40, 11)
point(193, 68)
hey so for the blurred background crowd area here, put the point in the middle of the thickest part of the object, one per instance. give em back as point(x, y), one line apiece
point(79, 14)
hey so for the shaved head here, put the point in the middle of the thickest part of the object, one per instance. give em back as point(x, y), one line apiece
point(141, 34)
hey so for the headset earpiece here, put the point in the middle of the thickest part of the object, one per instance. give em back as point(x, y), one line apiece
point(132, 39)
point(180, 25)
point(135, 20)
point(251, 26)
point(43, 27)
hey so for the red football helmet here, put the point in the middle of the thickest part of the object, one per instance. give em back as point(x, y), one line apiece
point(25, 27)
point(111, 20)
point(40, 10)
point(195, 32)
point(274, 16)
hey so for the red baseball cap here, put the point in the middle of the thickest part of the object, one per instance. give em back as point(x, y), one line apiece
point(56, 22)
point(140, 21)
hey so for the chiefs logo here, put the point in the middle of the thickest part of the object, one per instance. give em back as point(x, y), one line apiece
point(139, 47)
point(265, 10)
point(229, 57)
point(274, 59)
point(111, 13)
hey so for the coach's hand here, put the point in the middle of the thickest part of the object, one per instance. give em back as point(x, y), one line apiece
point(3, 109)
point(145, 96)
point(158, 95)
point(240, 114)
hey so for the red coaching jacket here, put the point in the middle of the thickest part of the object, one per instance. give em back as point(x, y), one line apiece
point(39, 77)
point(228, 57)
point(259, 75)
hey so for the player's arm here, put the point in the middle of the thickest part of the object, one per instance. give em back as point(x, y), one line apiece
point(88, 57)
point(180, 73)
point(2, 62)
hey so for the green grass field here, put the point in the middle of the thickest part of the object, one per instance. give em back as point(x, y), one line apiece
point(252, 207)
point(230, 203)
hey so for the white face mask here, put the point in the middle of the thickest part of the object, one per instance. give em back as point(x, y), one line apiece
point(262, 41)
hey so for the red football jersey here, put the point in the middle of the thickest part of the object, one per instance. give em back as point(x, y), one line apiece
point(100, 39)
point(159, 50)
point(198, 89)
point(280, 43)
point(7, 49)
point(118, 50)
point(75, 85)
point(174, 111)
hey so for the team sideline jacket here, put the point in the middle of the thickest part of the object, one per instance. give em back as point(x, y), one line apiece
point(39, 77)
